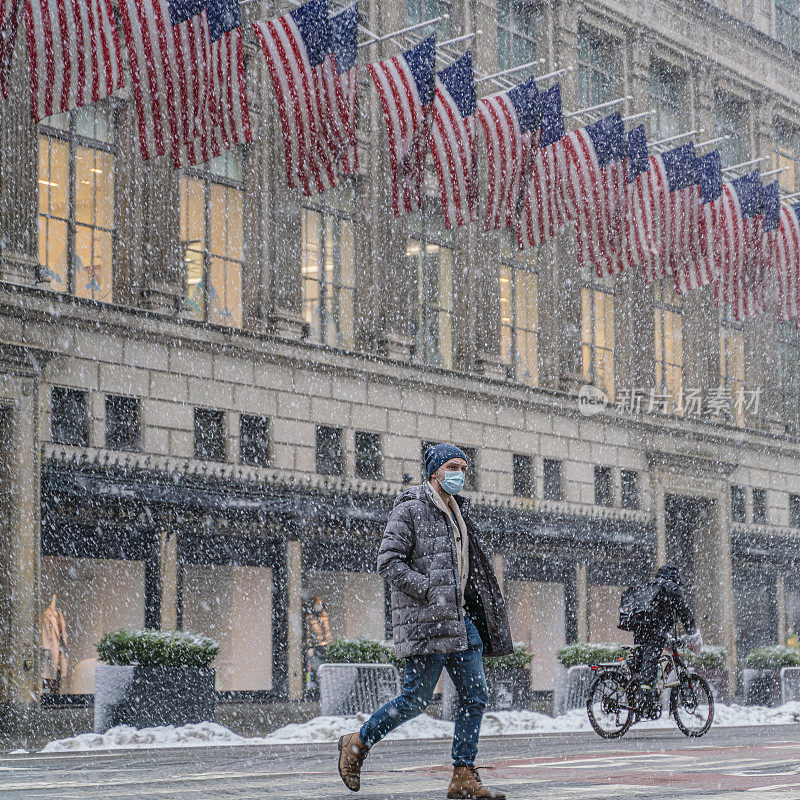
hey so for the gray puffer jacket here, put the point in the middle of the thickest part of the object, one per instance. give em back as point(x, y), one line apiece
point(418, 559)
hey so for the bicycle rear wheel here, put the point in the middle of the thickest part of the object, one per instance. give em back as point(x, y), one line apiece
point(692, 705)
point(609, 705)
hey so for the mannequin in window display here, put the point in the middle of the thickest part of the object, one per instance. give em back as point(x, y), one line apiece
point(54, 643)
point(318, 637)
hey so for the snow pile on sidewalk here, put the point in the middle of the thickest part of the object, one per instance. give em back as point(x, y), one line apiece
point(124, 737)
point(329, 729)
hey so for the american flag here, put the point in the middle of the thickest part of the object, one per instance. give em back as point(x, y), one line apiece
point(702, 269)
point(344, 38)
point(298, 48)
point(511, 122)
point(187, 67)
point(595, 191)
point(453, 142)
point(741, 280)
point(673, 195)
point(9, 16)
point(74, 56)
point(405, 85)
point(637, 234)
point(787, 262)
point(541, 213)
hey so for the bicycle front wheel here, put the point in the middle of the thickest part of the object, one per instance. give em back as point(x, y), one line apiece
point(608, 705)
point(692, 705)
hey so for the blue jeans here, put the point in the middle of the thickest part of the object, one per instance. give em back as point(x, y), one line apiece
point(419, 681)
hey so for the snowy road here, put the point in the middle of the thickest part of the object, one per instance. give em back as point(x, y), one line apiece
point(754, 763)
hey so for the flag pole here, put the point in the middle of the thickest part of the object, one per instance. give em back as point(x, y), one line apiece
point(459, 39)
point(641, 115)
point(790, 196)
point(509, 71)
point(745, 164)
point(410, 28)
point(538, 78)
point(676, 137)
point(718, 139)
point(598, 106)
point(773, 172)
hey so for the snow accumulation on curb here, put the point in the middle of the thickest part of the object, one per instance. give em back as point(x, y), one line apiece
point(329, 729)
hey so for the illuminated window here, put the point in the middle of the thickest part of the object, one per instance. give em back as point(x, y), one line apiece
point(420, 10)
point(670, 99)
point(668, 311)
point(597, 324)
point(730, 120)
point(789, 369)
point(430, 261)
point(731, 359)
point(212, 212)
point(76, 201)
point(328, 267)
point(787, 22)
point(598, 68)
point(785, 148)
point(519, 26)
point(519, 313)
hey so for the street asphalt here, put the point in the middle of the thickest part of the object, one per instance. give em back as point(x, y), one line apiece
point(759, 763)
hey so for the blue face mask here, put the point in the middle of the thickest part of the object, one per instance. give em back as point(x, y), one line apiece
point(453, 482)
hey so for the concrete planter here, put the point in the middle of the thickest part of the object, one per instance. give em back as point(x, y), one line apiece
point(761, 687)
point(569, 688)
point(719, 681)
point(509, 689)
point(148, 696)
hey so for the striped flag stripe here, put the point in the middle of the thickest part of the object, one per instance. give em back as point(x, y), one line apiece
point(74, 54)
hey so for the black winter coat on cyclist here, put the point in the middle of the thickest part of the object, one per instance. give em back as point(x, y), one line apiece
point(671, 605)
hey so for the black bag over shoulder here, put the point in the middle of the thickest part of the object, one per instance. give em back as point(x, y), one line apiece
point(638, 605)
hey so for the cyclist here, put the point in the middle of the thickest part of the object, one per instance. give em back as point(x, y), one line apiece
point(652, 631)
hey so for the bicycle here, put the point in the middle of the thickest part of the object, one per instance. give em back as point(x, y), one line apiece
point(612, 698)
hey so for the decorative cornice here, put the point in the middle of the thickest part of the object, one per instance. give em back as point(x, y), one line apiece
point(701, 464)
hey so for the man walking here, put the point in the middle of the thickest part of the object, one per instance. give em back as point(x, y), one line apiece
point(447, 610)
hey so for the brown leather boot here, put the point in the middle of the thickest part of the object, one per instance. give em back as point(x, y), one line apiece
point(352, 752)
point(466, 785)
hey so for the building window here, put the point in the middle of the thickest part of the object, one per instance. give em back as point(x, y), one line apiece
point(76, 201)
point(794, 510)
point(328, 267)
point(629, 485)
point(430, 263)
point(789, 369)
point(519, 27)
point(209, 434)
point(212, 221)
point(552, 483)
point(523, 476)
point(254, 440)
point(598, 68)
point(369, 456)
point(760, 506)
point(69, 418)
point(668, 312)
point(669, 97)
point(731, 121)
point(603, 487)
point(786, 144)
point(597, 324)
point(330, 456)
point(731, 359)
point(519, 313)
point(738, 504)
point(787, 22)
point(122, 422)
point(420, 10)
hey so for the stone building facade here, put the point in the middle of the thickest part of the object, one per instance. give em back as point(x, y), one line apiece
point(212, 388)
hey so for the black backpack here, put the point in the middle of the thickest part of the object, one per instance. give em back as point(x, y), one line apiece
point(638, 606)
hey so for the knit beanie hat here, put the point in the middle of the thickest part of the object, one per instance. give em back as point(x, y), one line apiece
point(439, 454)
